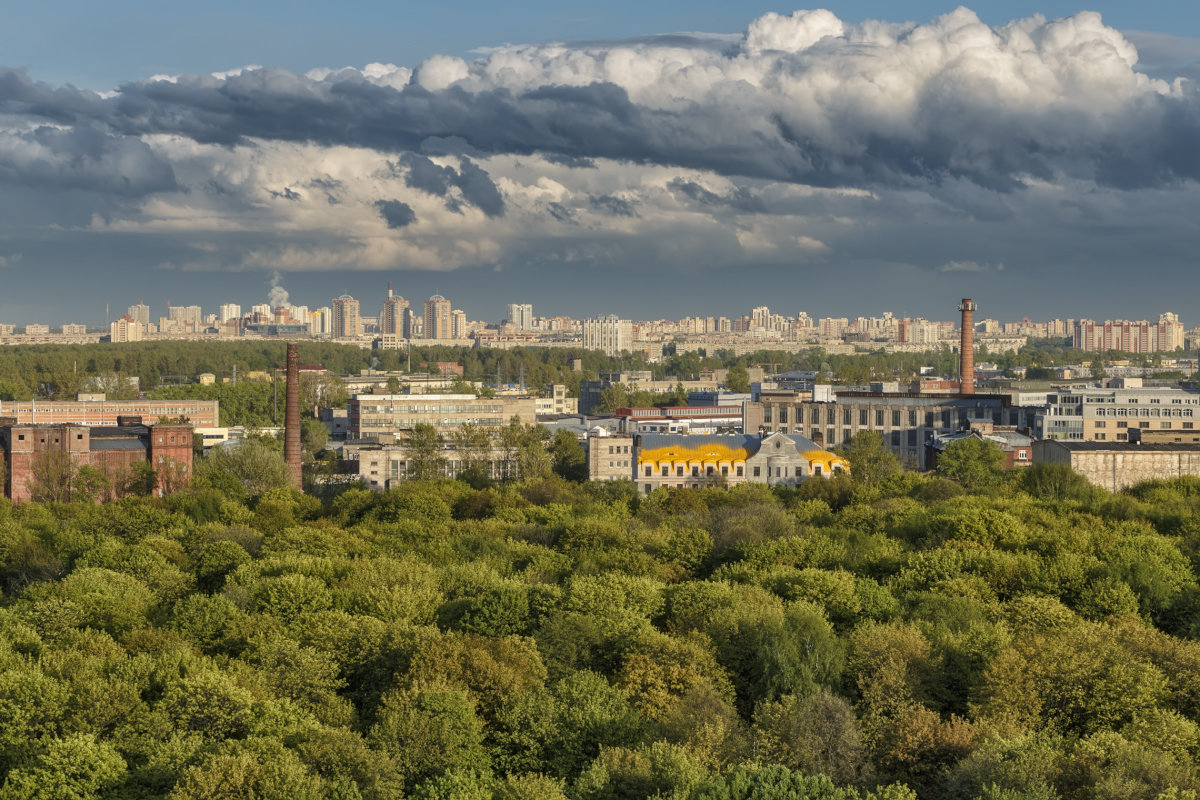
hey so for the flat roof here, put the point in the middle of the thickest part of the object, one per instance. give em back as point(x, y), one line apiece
point(1151, 447)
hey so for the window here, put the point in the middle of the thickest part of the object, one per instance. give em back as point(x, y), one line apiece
point(649, 470)
point(1187, 425)
point(1100, 437)
point(766, 413)
point(896, 419)
point(831, 416)
point(862, 416)
point(816, 469)
point(1122, 424)
point(724, 470)
point(912, 419)
point(830, 437)
point(1100, 424)
point(1143, 424)
point(739, 471)
point(757, 470)
point(695, 472)
point(709, 471)
point(1023, 455)
point(666, 472)
point(847, 417)
point(679, 472)
point(879, 418)
point(912, 437)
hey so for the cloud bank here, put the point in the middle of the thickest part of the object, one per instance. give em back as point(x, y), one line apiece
point(804, 138)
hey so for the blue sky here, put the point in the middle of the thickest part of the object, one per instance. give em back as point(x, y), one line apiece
point(100, 45)
point(812, 161)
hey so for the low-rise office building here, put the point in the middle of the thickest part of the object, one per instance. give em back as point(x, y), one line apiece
point(95, 409)
point(374, 415)
point(1116, 465)
point(1096, 414)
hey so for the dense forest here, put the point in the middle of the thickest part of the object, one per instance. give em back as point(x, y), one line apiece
point(893, 636)
point(61, 371)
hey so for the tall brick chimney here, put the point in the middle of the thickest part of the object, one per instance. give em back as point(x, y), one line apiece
point(966, 348)
point(291, 416)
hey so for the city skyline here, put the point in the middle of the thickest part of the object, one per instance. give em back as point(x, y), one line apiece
point(827, 160)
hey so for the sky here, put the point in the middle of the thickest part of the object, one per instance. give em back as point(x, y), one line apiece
point(653, 160)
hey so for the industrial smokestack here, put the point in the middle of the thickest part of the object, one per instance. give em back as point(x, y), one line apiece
point(966, 348)
point(291, 416)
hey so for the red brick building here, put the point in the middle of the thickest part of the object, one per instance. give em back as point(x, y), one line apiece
point(33, 454)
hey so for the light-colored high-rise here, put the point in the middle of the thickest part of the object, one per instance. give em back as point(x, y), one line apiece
point(126, 329)
point(346, 322)
point(458, 324)
point(437, 318)
point(520, 316)
point(141, 313)
point(229, 311)
point(608, 333)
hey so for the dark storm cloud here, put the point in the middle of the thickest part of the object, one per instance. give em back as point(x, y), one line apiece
point(908, 115)
point(560, 212)
point(83, 157)
point(613, 206)
point(476, 185)
point(396, 213)
point(287, 194)
point(740, 198)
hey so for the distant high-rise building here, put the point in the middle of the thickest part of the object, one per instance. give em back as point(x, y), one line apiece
point(458, 324)
point(261, 309)
point(437, 318)
point(126, 329)
point(320, 321)
point(608, 333)
point(229, 311)
point(140, 313)
point(520, 316)
point(346, 322)
point(393, 319)
point(1133, 337)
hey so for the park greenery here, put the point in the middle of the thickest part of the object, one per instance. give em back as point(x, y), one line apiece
point(888, 636)
point(62, 371)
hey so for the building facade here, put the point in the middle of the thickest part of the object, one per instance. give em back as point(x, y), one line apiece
point(609, 334)
point(437, 319)
point(96, 410)
point(346, 322)
point(379, 415)
point(1091, 414)
point(682, 461)
point(44, 459)
point(1116, 465)
point(1165, 336)
point(906, 421)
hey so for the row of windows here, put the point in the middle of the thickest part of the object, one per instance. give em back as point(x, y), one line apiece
point(679, 471)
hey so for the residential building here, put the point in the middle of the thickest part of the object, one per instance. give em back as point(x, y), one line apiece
point(1166, 335)
point(394, 318)
point(556, 403)
point(126, 329)
point(682, 419)
point(140, 313)
point(346, 323)
point(608, 333)
point(36, 329)
point(520, 316)
point(74, 330)
point(229, 312)
point(437, 323)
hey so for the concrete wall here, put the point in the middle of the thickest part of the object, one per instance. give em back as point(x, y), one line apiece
point(1115, 469)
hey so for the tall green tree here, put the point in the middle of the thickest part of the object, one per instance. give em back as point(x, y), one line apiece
point(871, 462)
point(972, 461)
point(425, 457)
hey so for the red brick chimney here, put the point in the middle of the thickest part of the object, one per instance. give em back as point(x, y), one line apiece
point(291, 416)
point(966, 348)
